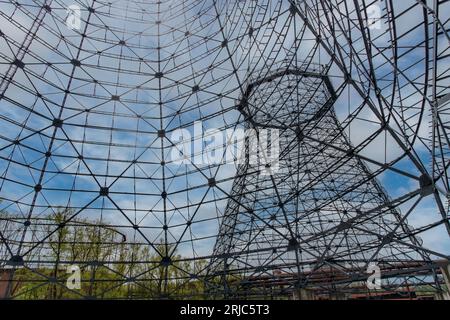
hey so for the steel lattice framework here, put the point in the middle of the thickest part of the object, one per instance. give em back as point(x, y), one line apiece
point(87, 173)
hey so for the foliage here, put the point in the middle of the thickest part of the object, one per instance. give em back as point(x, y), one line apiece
point(110, 268)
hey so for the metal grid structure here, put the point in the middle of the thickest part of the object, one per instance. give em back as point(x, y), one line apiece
point(358, 91)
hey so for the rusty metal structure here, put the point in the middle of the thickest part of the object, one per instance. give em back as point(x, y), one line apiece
point(95, 203)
